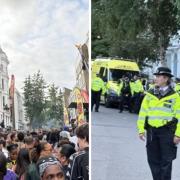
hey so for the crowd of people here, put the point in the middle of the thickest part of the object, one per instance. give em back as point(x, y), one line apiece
point(130, 91)
point(45, 155)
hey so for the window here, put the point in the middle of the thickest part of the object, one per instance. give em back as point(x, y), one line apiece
point(3, 101)
point(3, 84)
point(101, 72)
point(1, 68)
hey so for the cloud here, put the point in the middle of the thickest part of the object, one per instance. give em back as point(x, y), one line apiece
point(40, 35)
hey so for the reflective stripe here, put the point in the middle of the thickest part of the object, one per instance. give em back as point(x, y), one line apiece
point(160, 118)
point(143, 110)
point(160, 109)
point(178, 111)
point(141, 119)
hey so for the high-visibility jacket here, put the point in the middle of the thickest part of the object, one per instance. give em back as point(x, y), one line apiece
point(138, 87)
point(151, 86)
point(120, 86)
point(177, 87)
point(97, 84)
point(159, 111)
point(132, 84)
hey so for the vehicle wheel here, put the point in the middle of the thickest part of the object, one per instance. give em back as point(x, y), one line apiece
point(107, 103)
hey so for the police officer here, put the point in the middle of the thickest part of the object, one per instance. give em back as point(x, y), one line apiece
point(97, 87)
point(137, 94)
point(160, 116)
point(124, 94)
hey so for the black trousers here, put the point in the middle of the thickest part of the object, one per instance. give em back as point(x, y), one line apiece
point(161, 151)
point(95, 99)
point(123, 99)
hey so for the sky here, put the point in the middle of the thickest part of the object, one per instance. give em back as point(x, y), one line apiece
point(41, 35)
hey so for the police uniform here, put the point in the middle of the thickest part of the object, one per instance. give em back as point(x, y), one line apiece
point(124, 95)
point(159, 116)
point(137, 95)
point(97, 87)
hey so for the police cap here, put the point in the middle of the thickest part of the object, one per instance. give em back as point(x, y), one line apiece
point(163, 71)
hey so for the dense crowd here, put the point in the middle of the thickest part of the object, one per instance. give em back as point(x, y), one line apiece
point(45, 155)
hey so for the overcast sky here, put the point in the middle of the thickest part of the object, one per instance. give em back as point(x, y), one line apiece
point(41, 35)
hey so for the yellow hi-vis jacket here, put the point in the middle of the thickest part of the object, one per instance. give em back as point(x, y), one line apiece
point(97, 84)
point(120, 86)
point(177, 87)
point(138, 87)
point(159, 111)
point(132, 84)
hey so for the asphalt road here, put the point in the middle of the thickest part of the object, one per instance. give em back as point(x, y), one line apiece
point(117, 152)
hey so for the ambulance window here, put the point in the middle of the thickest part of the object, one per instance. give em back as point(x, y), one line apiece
point(101, 71)
point(105, 75)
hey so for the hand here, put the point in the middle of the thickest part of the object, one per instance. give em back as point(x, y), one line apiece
point(142, 136)
point(176, 140)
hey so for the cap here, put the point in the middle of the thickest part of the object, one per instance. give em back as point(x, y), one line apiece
point(163, 71)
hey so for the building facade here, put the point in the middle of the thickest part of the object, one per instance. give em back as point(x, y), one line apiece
point(4, 91)
point(20, 123)
point(173, 56)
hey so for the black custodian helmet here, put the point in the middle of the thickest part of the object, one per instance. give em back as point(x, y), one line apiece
point(163, 71)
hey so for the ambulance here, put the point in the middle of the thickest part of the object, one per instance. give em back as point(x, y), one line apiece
point(111, 70)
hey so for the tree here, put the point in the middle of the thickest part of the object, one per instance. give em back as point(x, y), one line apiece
point(163, 22)
point(55, 105)
point(34, 99)
point(28, 96)
point(133, 29)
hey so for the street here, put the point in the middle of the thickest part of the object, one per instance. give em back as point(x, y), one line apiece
point(117, 152)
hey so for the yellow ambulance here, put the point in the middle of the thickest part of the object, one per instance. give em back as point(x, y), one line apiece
point(111, 71)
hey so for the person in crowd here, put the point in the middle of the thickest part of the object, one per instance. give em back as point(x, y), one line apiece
point(36, 141)
point(32, 172)
point(20, 138)
point(29, 142)
point(79, 162)
point(5, 174)
point(2, 147)
point(65, 152)
point(53, 137)
point(12, 156)
point(49, 168)
point(22, 163)
point(11, 138)
point(44, 149)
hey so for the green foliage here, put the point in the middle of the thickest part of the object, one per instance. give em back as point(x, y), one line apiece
point(34, 98)
point(41, 107)
point(55, 107)
point(133, 29)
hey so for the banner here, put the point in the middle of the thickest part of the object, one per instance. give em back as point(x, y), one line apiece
point(11, 94)
point(11, 90)
point(80, 109)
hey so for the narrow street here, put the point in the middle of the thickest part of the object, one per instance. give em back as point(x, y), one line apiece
point(117, 152)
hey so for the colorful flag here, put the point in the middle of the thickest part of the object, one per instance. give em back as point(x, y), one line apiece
point(80, 109)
